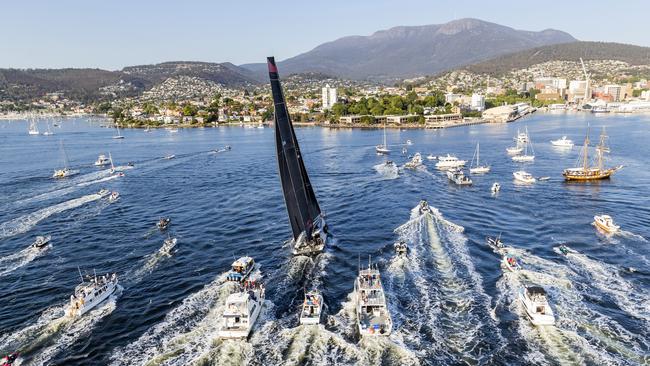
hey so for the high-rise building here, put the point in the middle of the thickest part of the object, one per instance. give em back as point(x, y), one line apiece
point(478, 102)
point(617, 92)
point(329, 97)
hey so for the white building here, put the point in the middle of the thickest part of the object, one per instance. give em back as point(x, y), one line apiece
point(329, 97)
point(478, 102)
point(617, 92)
point(451, 97)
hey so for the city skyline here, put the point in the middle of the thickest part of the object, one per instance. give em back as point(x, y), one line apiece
point(110, 36)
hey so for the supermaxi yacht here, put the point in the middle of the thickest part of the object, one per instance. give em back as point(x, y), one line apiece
point(242, 310)
point(307, 221)
point(373, 317)
point(91, 292)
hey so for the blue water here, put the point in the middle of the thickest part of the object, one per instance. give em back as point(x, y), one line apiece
point(450, 301)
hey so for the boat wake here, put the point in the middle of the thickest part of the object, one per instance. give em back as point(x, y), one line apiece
point(605, 277)
point(449, 315)
point(186, 333)
point(25, 223)
point(101, 180)
point(54, 332)
point(387, 172)
point(14, 261)
point(581, 335)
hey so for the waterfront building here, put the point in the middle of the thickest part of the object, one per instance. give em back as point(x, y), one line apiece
point(504, 113)
point(399, 119)
point(443, 118)
point(478, 102)
point(616, 92)
point(329, 97)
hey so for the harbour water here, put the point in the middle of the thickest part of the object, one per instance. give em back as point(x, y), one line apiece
point(450, 301)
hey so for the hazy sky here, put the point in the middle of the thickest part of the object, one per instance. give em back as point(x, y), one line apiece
point(111, 34)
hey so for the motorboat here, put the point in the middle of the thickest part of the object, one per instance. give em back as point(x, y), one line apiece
point(524, 177)
point(509, 262)
point(523, 158)
point(102, 160)
point(431, 157)
point(114, 197)
point(168, 245)
point(401, 248)
point(169, 157)
point(423, 207)
point(404, 151)
point(544, 178)
point(415, 162)
point(163, 223)
point(449, 161)
point(562, 142)
point(565, 250)
point(478, 168)
point(91, 292)
point(242, 310)
point(9, 359)
point(457, 176)
point(373, 317)
point(41, 241)
point(228, 147)
point(600, 109)
point(312, 308)
point(514, 150)
point(496, 187)
point(103, 193)
point(536, 305)
point(521, 137)
point(495, 243)
point(409, 142)
point(606, 223)
point(241, 269)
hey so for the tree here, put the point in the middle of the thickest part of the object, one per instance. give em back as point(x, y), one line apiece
point(189, 110)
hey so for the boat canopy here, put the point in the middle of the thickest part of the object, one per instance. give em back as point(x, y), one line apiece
point(302, 206)
point(536, 290)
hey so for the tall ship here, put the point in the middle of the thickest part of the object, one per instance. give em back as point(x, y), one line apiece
point(597, 169)
point(305, 216)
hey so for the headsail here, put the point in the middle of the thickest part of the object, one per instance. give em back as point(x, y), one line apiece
point(299, 196)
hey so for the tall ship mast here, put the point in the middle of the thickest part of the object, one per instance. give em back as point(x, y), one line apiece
point(597, 170)
point(305, 216)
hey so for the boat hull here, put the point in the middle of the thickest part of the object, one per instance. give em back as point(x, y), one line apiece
point(587, 177)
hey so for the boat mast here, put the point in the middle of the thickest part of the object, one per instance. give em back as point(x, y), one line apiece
point(601, 149)
point(478, 152)
point(385, 146)
point(585, 153)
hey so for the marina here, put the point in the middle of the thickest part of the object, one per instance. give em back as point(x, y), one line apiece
point(247, 216)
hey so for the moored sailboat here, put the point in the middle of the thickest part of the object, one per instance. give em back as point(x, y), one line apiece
point(478, 168)
point(526, 157)
point(383, 147)
point(307, 221)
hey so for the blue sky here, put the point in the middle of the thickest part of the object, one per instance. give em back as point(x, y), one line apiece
point(111, 34)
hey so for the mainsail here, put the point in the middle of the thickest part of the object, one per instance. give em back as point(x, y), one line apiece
point(299, 196)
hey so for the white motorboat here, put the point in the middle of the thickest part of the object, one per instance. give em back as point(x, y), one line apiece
point(103, 192)
point(41, 241)
point(449, 161)
point(514, 150)
point(606, 223)
point(383, 147)
point(409, 142)
point(404, 151)
point(163, 223)
point(90, 293)
point(169, 157)
point(431, 157)
point(241, 269)
point(415, 162)
point(168, 245)
point(312, 308)
point(496, 187)
point(102, 160)
point(495, 243)
point(373, 317)
point(242, 310)
point(401, 248)
point(522, 176)
point(563, 142)
point(457, 176)
point(478, 168)
point(536, 305)
point(423, 207)
point(114, 196)
point(522, 137)
point(510, 263)
point(525, 157)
